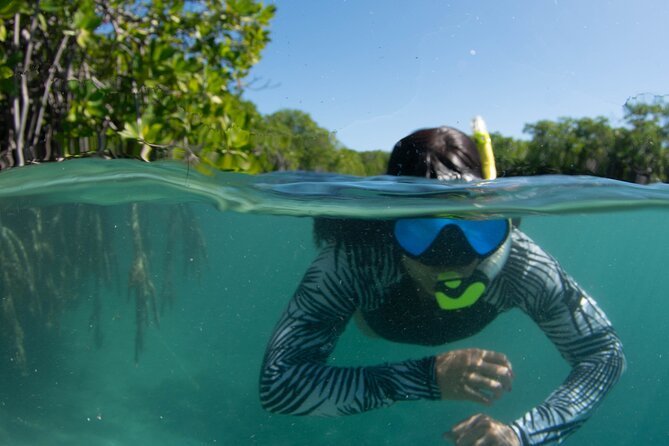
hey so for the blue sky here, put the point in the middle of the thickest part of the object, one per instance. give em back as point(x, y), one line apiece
point(374, 70)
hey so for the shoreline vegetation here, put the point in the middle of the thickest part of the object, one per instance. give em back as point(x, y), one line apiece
point(165, 80)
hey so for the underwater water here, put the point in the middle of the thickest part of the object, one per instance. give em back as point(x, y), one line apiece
point(196, 379)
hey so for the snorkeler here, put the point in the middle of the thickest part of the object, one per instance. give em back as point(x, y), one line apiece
point(430, 281)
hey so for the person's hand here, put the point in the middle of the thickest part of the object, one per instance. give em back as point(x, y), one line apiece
point(473, 374)
point(481, 430)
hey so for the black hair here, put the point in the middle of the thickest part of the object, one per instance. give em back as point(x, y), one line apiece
point(441, 153)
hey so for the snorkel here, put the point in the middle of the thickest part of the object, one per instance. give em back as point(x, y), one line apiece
point(453, 292)
point(484, 143)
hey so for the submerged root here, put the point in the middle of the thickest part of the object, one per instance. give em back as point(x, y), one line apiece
point(184, 243)
point(15, 331)
point(17, 286)
point(144, 293)
point(46, 265)
point(140, 283)
point(194, 247)
point(94, 321)
point(54, 257)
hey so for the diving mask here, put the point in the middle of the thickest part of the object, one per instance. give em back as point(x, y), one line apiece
point(417, 235)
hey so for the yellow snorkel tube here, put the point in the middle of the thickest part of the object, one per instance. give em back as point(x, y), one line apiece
point(484, 144)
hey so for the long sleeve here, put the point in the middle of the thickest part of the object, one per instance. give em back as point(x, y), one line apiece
point(295, 377)
point(579, 329)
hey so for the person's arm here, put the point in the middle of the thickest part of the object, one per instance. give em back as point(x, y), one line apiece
point(582, 333)
point(295, 377)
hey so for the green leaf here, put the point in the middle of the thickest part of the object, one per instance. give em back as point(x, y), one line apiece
point(95, 110)
point(153, 132)
point(237, 137)
point(130, 131)
point(163, 53)
point(227, 162)
point(49, 6)
point(6, 72)
point(42, 22)
point(86, 19)
point(83, 37)
point(10, 7)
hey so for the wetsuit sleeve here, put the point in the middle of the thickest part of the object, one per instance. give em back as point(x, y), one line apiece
point(295, 377)
point(582, 333)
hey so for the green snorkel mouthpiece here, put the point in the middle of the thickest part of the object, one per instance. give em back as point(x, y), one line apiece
point(454, 293)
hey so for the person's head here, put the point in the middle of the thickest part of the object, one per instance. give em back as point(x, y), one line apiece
point(450, 258)
point(442, 153)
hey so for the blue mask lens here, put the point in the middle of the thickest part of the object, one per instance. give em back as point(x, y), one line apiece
point(416, 235)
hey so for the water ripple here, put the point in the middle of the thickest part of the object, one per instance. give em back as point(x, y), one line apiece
point(111, 182)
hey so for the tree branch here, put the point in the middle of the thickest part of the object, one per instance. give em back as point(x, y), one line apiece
point(47, 90)
point(21, 131)
point(16, 104)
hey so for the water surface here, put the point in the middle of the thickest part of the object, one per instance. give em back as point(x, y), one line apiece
point(195, 382)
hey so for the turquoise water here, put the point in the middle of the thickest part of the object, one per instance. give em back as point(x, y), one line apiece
point(196, 380)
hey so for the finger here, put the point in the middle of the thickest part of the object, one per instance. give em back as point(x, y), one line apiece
point(506, 380)
point(465, 424)
point(497, 373)
point(474, 432)
point(486, 385)
point(473, 394)
point(496, 358)
point(486, 441)
point(487, 438)
point(460, 429)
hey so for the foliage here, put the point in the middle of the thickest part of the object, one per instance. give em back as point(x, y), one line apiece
point(637, 151)
point(570, 145)
point(642, 153)
point(375, 161)
point(509, 154)
point(146, 79)
point(292, 140)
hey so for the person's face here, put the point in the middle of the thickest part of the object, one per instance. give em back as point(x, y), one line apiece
point(427, 277)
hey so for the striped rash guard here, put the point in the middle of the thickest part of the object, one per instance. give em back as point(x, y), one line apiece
point(296, 378)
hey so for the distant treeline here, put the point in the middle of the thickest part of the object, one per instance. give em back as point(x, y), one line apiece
point(635, 151)
point(291, 140)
